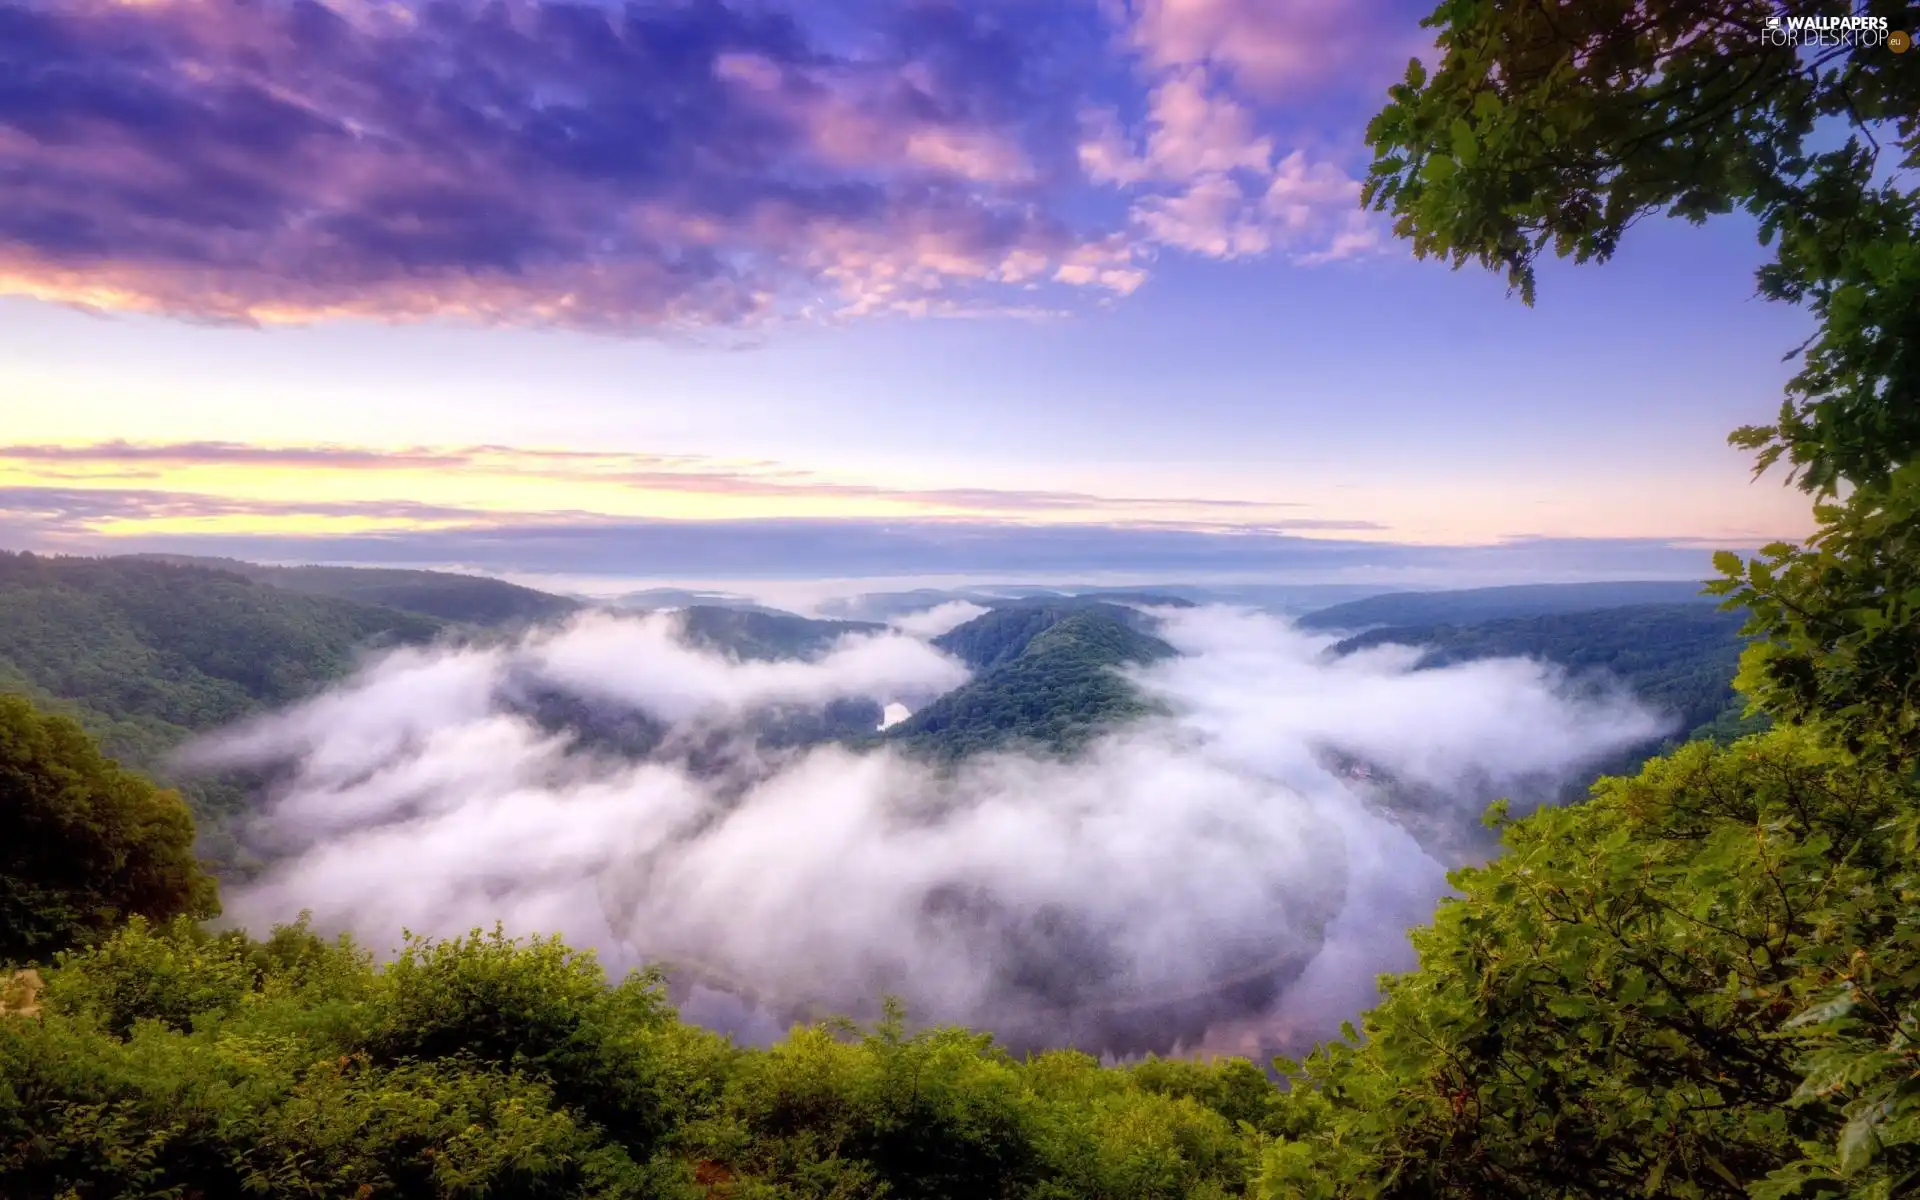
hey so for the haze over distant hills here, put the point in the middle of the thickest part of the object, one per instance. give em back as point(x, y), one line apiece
point(302, 626)
point(1469, 605)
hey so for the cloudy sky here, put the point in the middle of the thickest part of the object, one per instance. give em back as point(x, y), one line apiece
point(723, 287)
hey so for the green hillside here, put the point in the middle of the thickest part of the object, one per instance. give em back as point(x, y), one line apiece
point(1471, 605)
point(468, 599)
point(1045, 675)
point(1005, 633)
point(144, 654)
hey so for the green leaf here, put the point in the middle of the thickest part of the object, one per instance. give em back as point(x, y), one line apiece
point(1860, 1139)
point(1827, 1010)
point(1465, 148)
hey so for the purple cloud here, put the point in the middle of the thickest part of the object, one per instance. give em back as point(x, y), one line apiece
point(643, 165)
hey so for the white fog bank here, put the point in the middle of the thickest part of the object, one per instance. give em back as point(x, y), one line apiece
point(1218, 874)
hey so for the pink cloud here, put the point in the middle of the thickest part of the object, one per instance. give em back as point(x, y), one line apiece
point(1270, 47)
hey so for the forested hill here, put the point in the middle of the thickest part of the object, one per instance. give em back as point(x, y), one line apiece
point(1679, 658)
point(1471, 605)
point(1005, 634)
point(144, 654)
point(1045, 675)
point(468, 599)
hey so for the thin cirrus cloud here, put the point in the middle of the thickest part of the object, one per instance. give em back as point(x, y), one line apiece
point(925, 532)
point(120, 513)
point(651, 165)
point(237, 466)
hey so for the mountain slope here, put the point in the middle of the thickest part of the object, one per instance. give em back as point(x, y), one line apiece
point(1005, 633)
point(1045, 675)
point(145, 654)
point(469, 599)
point(1472, 605)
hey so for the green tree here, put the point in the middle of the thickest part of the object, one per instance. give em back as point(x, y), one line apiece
point(83, 844)
point(1705, 982)
point(1561, 125)
point(1612, 1007)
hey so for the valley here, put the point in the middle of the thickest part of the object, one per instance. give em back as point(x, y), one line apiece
point(740, 699)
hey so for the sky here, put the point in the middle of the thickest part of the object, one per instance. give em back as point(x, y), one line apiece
point(735, 288)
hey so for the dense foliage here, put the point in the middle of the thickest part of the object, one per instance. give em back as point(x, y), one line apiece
point(1679, 659)
point(1706, 981)
point(83, 844)
point(1046, 676)
point(1470, 606)
point(170, 1061)
point(1626, 1001)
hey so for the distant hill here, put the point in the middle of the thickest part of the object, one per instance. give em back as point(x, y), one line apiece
point(764, 634)
point(1678, 658)
point(1045, 675)
point(468, 599)
point(881, 606)
point(649, 599)
point(1142, 596)
point(147, 653)
point(1487, 604)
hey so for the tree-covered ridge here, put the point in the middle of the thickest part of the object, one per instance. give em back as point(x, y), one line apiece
point(146, 654)
point(463, 599)
point(1004, 634)
point(1678, 658)
point(149, 651)
point(1046, 676)
point(1469, 606)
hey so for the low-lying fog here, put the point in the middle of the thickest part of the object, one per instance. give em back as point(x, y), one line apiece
point(1215, 876)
